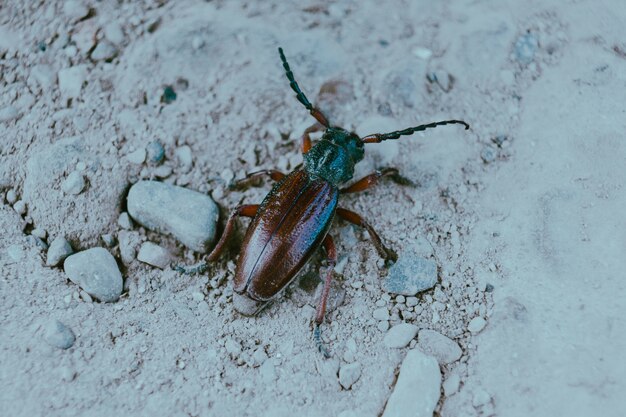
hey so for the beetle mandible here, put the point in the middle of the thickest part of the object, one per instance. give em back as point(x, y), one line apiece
point(293, 220)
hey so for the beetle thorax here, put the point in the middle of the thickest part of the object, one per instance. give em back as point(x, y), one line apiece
point(333, 158)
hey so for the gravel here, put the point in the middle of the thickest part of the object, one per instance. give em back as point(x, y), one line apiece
point(114, 33)
point(155, 152)
point(58, 335)
point(58, 250)
point(96, 272)
point(417, 389)
point(191, 217)
point(410, 275)
point(124, 221)
point(349, 374)
point(154, 255)
point(439, 346)
point(381, 314)
point(400, 335)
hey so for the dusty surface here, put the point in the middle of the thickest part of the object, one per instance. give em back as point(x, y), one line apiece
point(528, 234)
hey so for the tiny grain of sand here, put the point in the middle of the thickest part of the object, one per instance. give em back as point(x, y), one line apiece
point(523, 213)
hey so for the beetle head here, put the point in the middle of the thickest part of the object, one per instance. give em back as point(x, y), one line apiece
point(350, 142)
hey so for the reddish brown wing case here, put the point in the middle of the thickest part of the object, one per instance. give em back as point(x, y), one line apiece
point(289, 226)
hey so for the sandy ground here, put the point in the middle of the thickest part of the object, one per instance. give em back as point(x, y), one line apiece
point(523, 213)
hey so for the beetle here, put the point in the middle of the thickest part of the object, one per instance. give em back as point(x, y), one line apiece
point(293, 220)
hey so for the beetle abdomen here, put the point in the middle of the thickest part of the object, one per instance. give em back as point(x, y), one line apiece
point(290, 225)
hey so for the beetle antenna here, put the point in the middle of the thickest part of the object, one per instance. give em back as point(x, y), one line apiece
point(378, 137)
point(299, 94)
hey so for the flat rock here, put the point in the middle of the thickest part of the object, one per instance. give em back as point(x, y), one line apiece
point(417, 389)
point(59, 250)
point(400, 335)
point(410, 275)
point(105, 51)
point(154, 255)
point(443, 349)
point(96, 272)
point(58, 335)
point(191, 217)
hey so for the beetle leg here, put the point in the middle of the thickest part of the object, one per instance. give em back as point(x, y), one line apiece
point(306, 138)
point(247, 210)
point(372, 179)
point(354, 218)
point(272, 173)
point(331, 254)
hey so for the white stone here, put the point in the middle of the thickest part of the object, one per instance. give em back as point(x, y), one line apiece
point(191, 217)
point(113, 33)
point(349, 374)
point(105, 51)
point(95, 271)
point(59, 335)
point(476, 325)
point(451, 385)
point(124, 221)
point(185, 157)
point(400, 335)
point(71, 80)
point(445, 350)
point(137, 157)
point(75, 9)
point(422, 53)
point(154, 255)
point(417, 389)
point(74, 183)
point(44, 75)
point(8, 113)
point(57, 252)
point(381, 314)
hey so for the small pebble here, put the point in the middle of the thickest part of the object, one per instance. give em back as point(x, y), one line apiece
point(525, 48)
point(163, 171)
point(417, 389)
point(349, 374)
point(154, 255)
point(71, 80)
point(113, 33)
point(9, 113)
point(191, 217)
point(75, 9)
point(105, 51)
point(11, 197)
point(169, 95)
point(488, 154)
point(128, 245)
point(137, 157)
point(411, 275)
point(15, 252)
point(422, 53)
point(381, 314)
point(481, 397)
point(108, 240)
point(185, 157)
point(20, 207)
point(124, 221)
point(451, 385)
point(155, 152)
point(74, 183)
point(57, 252)
point(197, 43)
point(96, 272)
point(412, 301)
point(58, 335)
point(400, 335)
point(443, 349)
point(476, 325)
point(383, 326)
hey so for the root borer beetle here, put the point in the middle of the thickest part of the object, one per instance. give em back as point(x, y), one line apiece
point(293, 220)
